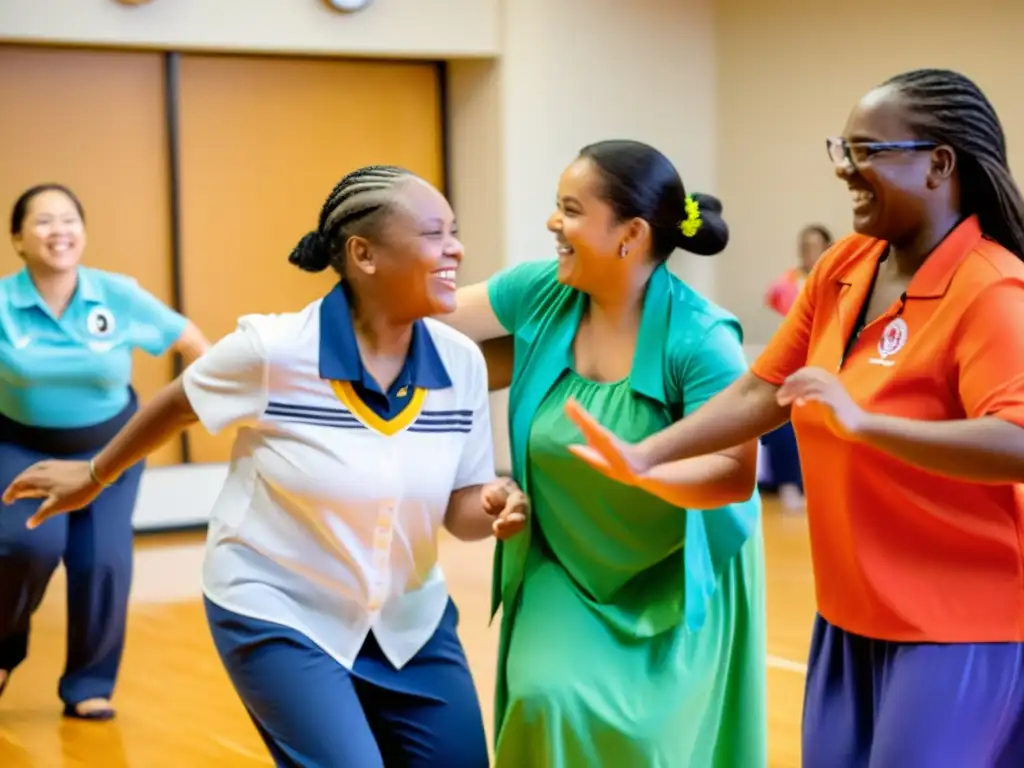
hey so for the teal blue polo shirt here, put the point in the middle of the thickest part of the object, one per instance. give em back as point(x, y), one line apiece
point(75, 370)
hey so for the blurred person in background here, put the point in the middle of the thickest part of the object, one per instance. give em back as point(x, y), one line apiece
point(783, 457)
point(67, 333)
point(814, 240)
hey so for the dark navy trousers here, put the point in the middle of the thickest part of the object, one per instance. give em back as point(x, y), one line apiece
point(314, 713)
point(95, 545)
point(783, 457)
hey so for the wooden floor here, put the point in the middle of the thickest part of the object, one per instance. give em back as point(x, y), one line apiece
point(176, 707)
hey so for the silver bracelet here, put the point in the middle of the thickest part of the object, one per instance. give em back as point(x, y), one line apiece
point(94, 477)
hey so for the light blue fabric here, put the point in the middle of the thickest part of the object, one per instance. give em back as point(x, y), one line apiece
point(75, 370)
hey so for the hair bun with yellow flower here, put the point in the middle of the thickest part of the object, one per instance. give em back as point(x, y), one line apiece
point(702, 230)
point(691, 224)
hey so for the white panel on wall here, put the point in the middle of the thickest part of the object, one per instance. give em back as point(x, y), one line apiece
point(179, 496)
point(407, 28)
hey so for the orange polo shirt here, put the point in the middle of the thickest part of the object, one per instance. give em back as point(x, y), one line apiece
point(900, 553)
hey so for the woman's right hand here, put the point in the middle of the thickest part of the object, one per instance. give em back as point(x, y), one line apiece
point(64, 486)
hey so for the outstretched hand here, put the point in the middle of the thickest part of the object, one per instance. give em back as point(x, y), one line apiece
point(64, 486)
point(603, 451)
point(505, 501)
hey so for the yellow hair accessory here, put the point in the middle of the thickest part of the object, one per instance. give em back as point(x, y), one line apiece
point(692, 223)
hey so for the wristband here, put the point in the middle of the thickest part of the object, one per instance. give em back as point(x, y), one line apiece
point(94, 477)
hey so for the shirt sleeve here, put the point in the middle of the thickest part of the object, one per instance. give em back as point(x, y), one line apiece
point(989, 353)
point(154, 325)
point(713, 366)
point(476, 465)
point(786, 352)
point(227, 386)
point(516, 291)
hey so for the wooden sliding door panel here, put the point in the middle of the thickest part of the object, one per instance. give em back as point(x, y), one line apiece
point(263, 142)
point(94, 121)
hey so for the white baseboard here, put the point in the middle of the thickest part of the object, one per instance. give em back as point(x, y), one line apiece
point(178, 496)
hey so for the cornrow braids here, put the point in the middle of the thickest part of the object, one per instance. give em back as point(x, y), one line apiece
point(357, 198)
point(949, 108)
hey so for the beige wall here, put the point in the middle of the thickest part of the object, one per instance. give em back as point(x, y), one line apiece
point(548, 78)
point(789, 73)
point(740, 93)
point(573, 72)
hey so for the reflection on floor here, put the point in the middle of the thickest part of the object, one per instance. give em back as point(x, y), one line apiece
point(177, 708)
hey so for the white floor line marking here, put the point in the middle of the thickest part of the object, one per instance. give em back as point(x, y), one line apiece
point(777, 662)
point(264, 759)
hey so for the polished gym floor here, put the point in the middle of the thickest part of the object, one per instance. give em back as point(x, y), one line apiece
point(176, 707)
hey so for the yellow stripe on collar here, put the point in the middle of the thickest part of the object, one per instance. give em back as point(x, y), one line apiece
point(348, 396)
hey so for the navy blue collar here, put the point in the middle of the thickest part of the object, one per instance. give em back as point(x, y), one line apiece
point(339, 353)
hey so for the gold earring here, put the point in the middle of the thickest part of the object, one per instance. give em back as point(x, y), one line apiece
point(622, 251)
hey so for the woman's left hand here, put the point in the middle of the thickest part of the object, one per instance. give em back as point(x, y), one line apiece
point(815, 385)
point(505, 501)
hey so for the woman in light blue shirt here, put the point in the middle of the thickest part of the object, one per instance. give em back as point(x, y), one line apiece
point(67, 333)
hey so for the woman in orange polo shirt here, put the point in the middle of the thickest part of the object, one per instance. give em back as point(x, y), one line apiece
point(902, 363)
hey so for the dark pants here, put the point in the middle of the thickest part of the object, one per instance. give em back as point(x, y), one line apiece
point(878, 704)
point(95, 545)
point(313, 713)
point(783, 458)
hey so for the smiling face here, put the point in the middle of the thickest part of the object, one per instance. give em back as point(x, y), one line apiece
point(416, 254)
point(52, 233)
point(892, 190)
point(588, 235)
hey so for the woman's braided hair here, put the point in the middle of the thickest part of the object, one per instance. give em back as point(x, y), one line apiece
point(947, 107)
point(358, 199)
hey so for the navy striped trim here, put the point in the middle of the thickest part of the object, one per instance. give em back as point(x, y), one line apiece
point(443, 421)
point(311, 414)
point(428, 422)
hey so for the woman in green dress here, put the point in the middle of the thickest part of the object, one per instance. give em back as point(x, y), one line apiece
point(632, 632)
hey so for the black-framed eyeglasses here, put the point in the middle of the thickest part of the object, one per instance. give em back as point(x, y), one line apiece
point(857, 152)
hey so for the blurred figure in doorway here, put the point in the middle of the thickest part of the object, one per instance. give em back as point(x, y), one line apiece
point(783, 459)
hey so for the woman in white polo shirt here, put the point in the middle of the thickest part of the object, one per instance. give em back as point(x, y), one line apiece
point(363, 426)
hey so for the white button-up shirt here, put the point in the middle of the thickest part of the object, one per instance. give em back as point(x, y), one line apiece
point(328, 521)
